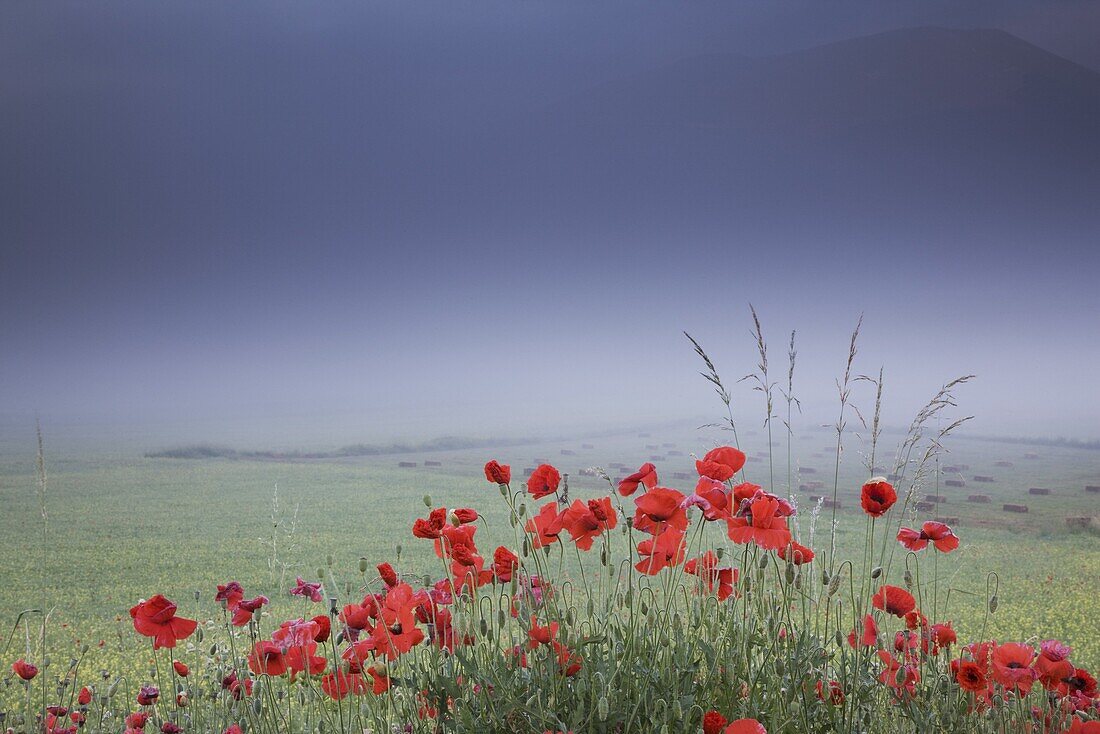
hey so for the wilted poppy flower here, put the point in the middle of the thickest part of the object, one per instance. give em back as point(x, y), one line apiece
point(498, 473)
point(745, 726)
point(181, 668)
point(667, 549)
point(1012, 666)
point(646, 475)
point(877, 496)
point(720, 463)
point(713, 722)
point(169, 727)
point(569, 662)
point(758, 522)
point(895, 600)
point(238, 687)
point(587, 520)
point(24, 670)
point(136, 720)
point(545, 526)
point(148, 695)
point(659, 508)
point(308, 589)
point(543, 481)
point(156, 618)
point(388, 575)
point(267, 658)
point(941, 536)
point(242, 615)
point(796, 553)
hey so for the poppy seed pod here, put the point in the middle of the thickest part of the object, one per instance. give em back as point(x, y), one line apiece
point(876, 572)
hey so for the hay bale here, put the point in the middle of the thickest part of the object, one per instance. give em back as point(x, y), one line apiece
point(1031, 456)
point(753, 459)
point(1078, 523)
point(829, 502)
point(1016, 508)
point(433, 463)
point(568, 452)
point(651, 447)
point(979, 498)
point(656, 457)
point(406, 464)
point(804, 488)
point(681, 475)
point(935, 498)
point(1004, 464)
point(1094, 488)
point(675, 453)
point(925, 506)
point(955, 483)
point(893, 477)
point(668, 445)
point(806, 470)
point(964, 467)
point(815, 485)
point(1038, 491)
point(587, 446)
point(948, 520)
point(982, 479)
point(952, 469)
point(529, 470)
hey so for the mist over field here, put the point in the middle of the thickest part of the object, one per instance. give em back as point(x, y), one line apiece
point(302, 226)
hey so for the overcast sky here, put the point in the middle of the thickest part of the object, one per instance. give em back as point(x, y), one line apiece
point(257, 211)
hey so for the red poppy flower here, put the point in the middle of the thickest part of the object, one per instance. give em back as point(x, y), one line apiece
point(338, 685)
point(941, 536)
point(324, 628)
point(658, 508)
point(464, 515)
point(539, 635)
point(712, 497)
point(310, 590)
point(1012, 666)
point(242, 613)
point(835, 694)
point(267, 658)
point(85, 696)
point(381, 679)
point(229, 593)
point(868, 635)
point(505, 562)
point(498, 473)
point(706, 568)
point(545, 526)
point(148, 695)
point(942, 635)
point(646, 475)
point(1077, 726)
point(745, 726)
point(181, 669)
point(877, 496)
point(303, 658)
point(136, 720)
point(157, 618)
point(656, 554)
point(713, 722)
point(720, 463)
point(758, 522)
point(432, 528)
point(569, 662)
point(397, 633)
point(894, 599)
point(915, 620)
point(970, 676)
point(543, 481)
point(1053, 673)
point(586, 521)
point(388, 575)
point(238, 688)
point(233, 729)
point(796, 553)
point(24, 670)
point(897, 677)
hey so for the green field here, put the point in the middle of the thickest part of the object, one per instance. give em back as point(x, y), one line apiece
point(122, 527)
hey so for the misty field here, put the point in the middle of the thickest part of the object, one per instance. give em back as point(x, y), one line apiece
point(123, 528)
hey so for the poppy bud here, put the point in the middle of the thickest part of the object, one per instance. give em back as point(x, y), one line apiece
point(199, 635)
point(824, 577)
point(398, 549)
point(789, 576)
point(523, 509)
point(427, 500)
point(798, 580)
point(900, 676)
point(257, 704)
point(839, 638)
point(603, 708)
point(721, 553)
point(764, 561)
point(363, 565)
point(993, 604)
point(834, 585)
point(908, 578)
point(876, 572)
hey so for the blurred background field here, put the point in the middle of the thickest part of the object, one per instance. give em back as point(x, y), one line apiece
point(123, 527)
